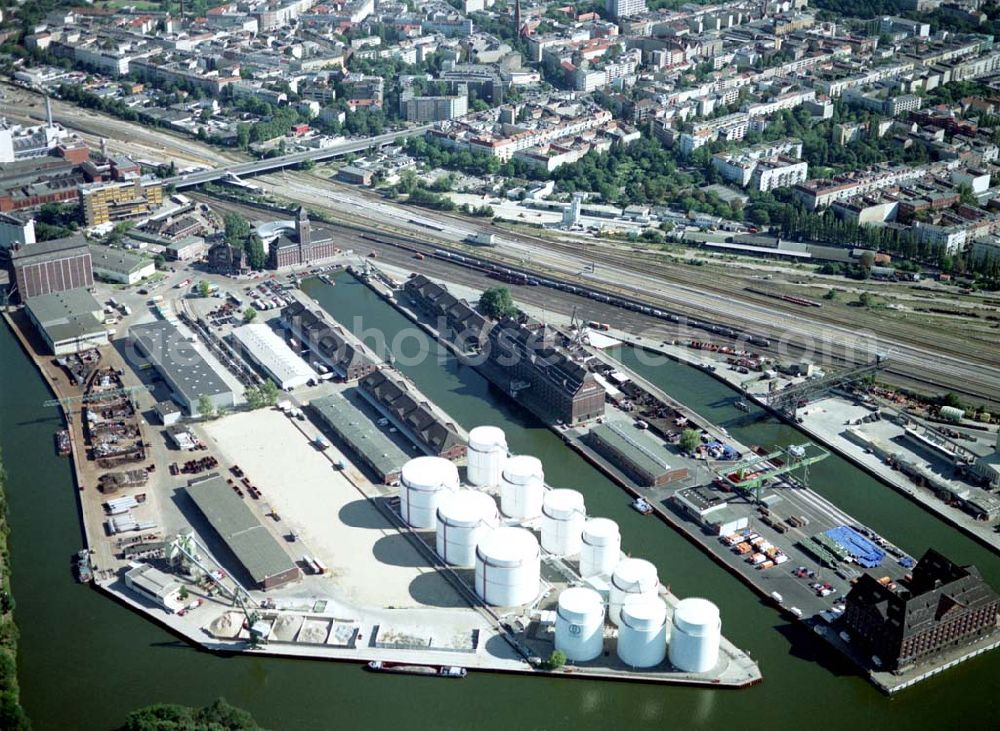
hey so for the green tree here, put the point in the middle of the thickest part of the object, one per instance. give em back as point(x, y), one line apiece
point(160, 261)
point(219, 716)
point(690, 440)
point(237, 229)
point(206, 408)
point(269, 390)
point(831, 295)
point(497, 303)
point(266, 394)
point(204, 288)
point(867, 262)
point(256, 254)
point(249, 314)
point(952, 399)
point(556, 660)
point(967, 196)
point(254, 397)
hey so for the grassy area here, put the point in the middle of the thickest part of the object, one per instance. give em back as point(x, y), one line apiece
point(11, 714)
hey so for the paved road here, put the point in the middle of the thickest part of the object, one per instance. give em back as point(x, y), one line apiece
point(294, 158)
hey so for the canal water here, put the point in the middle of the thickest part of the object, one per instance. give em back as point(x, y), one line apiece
point(85, 661)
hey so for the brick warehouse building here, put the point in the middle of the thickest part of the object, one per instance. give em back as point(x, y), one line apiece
point(942, 606)
point(301, 248)
point(552, 383)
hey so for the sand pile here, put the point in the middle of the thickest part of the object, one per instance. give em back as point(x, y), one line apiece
point(227, 625)
point(314, 632)
point(286, 627)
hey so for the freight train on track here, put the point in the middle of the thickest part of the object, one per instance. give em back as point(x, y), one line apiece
point(513, 275)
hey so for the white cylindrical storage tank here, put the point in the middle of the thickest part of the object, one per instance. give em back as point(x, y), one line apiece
point(423, 482)
point(580, 624)
point(563, 516)
point(522, 483)
point(631, 576)
point(463, 519)
point(695, 634)
point(642, 633)
point(486, 455)
point(601, 549)
point(508, 567)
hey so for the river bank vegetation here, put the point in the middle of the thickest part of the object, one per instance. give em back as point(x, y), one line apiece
point(12, 716)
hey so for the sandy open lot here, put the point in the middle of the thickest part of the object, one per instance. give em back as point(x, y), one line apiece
point(371, 564)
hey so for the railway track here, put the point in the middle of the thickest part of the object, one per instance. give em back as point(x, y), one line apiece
point(364, 232)
point(652, 330)
point(725, 289)
point(642, 262)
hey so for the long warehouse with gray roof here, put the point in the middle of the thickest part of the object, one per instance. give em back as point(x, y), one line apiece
point(68, 321)
point(187, 372)
point(270, 352)
point(634, 453)
point(369, 445)
point(266, 562)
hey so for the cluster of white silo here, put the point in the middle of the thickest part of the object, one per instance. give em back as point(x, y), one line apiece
point(563, 518)
point(695, 634)
point(580, 624)
point(486, 456)
point(464, 518)
point(631, 577)
point(601, 547)
point(522, 485)
point(424, 482)
point(642, 631)
point(508, 567)
point(507, 559)
point(640, 614)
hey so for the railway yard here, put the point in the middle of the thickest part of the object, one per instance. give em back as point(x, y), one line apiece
point(919, 358)
point(28, 107)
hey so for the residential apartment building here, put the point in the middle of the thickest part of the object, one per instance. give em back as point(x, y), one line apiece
point(120, 201)
point(514, 138)
point(433, 108)
point(816, 194)
point(779, 172)
point(625, 8)
point(606, 73)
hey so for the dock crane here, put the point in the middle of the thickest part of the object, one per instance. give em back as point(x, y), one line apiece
point(88, 398)
point(787, 400)
point(752, 475)
point(576, 328)
point(183, 551)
